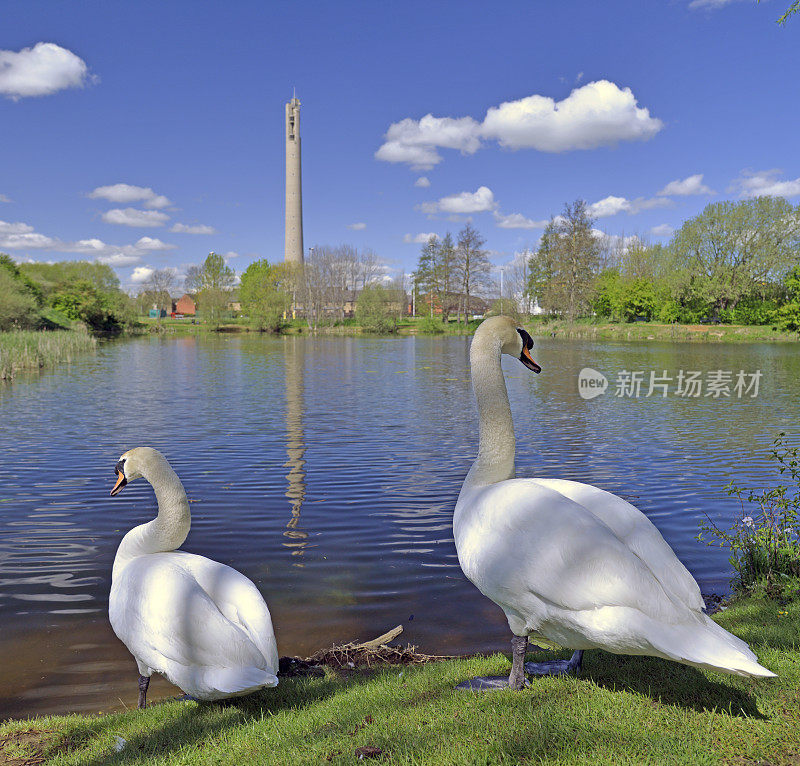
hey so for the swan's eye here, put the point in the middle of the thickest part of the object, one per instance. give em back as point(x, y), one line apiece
point(120, 467)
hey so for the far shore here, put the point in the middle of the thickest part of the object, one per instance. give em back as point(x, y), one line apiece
point(537, 327)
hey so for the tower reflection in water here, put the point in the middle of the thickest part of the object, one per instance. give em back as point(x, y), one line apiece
point(295, 446)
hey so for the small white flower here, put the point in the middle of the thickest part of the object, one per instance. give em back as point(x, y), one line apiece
point(748, 521)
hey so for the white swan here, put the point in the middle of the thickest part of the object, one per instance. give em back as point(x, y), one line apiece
point(568, 561)
point(200, 623)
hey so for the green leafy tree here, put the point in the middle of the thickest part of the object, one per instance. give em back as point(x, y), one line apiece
point(726, 252)
point(263, 295)
point(375, 310)
point(18, 308)
point(212, 281)
point(788, 315)
point(83, 301)
point(790, 11)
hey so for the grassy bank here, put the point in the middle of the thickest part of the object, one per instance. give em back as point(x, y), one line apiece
point(720, 333)
point(622, 710)
point(636, 331)
point(22, 350)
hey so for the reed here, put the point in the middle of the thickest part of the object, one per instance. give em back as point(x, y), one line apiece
point(22, 350)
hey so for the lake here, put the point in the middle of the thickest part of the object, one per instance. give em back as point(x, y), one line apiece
point(326, 469)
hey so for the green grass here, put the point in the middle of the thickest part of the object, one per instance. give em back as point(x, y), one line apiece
point(622, 710)
point(719, 333)
point(22, 350)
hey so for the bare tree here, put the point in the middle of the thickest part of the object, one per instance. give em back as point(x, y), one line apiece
point(471, 265)
point(159, 284)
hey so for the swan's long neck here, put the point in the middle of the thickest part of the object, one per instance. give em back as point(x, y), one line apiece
point(495, 461)
point(169, 529)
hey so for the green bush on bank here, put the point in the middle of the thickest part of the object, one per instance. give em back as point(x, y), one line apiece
point(765, 540)
point(48, 295)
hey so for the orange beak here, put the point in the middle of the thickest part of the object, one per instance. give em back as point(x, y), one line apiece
point(526, 358)
point(121, 482)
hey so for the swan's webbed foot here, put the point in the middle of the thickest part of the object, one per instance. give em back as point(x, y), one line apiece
point(186, 698)
point(144, 682)
point(556, 667)
point(516, 679)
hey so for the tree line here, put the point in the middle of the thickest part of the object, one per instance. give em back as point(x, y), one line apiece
point(734, 262)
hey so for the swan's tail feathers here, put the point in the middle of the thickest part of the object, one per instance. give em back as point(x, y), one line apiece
point(218, 683)
point(707, 645)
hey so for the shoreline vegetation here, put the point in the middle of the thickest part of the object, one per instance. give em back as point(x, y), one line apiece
point(31, 350)
point(536, 326)
point(621, 709)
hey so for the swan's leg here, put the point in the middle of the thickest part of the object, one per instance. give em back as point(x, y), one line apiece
point(144, 682)
point(556, 667)
point(516, 680)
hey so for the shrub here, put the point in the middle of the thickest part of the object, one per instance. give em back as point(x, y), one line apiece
point(764, 541)
point(374, 310)
point(429, 326)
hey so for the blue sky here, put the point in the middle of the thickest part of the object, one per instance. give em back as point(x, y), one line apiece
point(647, 110)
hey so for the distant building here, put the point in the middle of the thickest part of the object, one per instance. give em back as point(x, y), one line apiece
point(185, 305)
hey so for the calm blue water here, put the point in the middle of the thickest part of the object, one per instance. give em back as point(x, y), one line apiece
point(326, 469)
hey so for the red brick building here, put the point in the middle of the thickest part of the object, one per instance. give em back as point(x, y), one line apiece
point(184, 305)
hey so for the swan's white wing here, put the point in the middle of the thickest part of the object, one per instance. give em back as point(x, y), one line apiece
point(238, 599)
point(163, 615)
point(529, 548)
point(641, 536)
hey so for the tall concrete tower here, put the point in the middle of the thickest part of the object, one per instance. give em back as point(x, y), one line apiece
point(293, 252)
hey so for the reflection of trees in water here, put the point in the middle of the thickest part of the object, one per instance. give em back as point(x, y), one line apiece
point(295, 446)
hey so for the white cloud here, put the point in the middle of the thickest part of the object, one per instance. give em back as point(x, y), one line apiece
point(686, 187)
point(18, 236)
point(3, 198)
point(15, 228)
point(596, 114)
point(419, 239)
point(415, 141)
point(609, 206)
point(122, 193)
point(152, 243)
point(25, 240)
point(130, 216)
point(662, 230)
point(39, 71)
point(517, 221)
point(465, 202)
point(711, 5)
point(357, 226)
point(141, 274)
point(422, 182)
point(765, 183)
point(190, 228)
point(120, 259)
